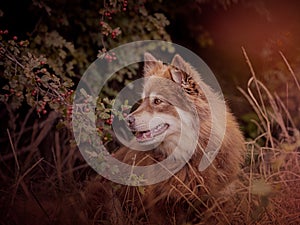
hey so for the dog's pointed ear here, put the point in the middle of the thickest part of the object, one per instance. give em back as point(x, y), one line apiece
point(149, 62)
point(178, 73)
point(149, 57)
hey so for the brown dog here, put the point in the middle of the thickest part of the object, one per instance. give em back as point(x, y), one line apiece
point(175, 113)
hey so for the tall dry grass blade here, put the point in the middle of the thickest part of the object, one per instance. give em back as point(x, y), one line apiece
point(181, 182)
point(187, 200)
point(14, 152)
point(290, 69)
point(288, 115)
point(277, 114)
point(260, 106)
point(20, 180)
point(41, 206)
point(254, 106)
point(262, 110)
point(58, 159)
point(23, 125)
point(31, 168)
point(132, 200)
point(250, 184)
point(143, 207)
point(255, 80)
point(201, 181)
point(259, 127)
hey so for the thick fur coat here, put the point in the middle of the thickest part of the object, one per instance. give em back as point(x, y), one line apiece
point(189, 189)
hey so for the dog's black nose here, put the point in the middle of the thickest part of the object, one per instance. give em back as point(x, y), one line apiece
point(130, 120)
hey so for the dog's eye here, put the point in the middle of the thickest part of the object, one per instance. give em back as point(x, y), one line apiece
point(157, 101)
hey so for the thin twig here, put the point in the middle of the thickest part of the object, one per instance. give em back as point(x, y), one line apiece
point(10, 57)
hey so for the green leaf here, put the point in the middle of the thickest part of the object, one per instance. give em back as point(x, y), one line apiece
point(104, 115)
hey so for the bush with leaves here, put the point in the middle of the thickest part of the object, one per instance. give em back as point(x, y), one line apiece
point(40, 70)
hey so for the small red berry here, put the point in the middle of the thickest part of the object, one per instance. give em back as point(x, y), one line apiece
point(15, 38)
point(1, 31)
point(44, 111)
point(5, 32)
point(38, 80)
point(18, 94)
point(33, 93)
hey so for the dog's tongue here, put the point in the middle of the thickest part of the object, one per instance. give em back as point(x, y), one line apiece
point(144, 136)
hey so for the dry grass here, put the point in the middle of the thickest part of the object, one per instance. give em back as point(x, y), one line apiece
point(41, 187)
point(268, 189)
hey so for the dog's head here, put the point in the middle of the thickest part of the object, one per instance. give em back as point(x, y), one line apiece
point(167, 108)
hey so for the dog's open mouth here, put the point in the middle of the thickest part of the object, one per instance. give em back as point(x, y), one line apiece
point(143, 136)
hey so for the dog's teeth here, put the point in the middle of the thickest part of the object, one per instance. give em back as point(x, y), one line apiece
point(144, 136)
